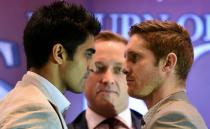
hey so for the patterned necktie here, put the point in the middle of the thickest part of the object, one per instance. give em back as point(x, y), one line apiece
point(111, 123)
point(142, 123)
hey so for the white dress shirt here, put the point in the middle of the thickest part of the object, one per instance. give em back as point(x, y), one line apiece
point(93, 119)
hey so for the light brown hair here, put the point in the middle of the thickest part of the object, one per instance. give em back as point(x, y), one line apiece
point(163, 37)
point(110, 36)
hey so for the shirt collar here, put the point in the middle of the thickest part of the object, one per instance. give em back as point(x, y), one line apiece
point(93, 119)
point(51, 92)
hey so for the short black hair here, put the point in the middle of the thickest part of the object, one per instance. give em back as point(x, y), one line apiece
point(59, 22)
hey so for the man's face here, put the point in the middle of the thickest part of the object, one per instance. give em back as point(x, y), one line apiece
point(142, 74)
point(106, 87)
point(75, 71)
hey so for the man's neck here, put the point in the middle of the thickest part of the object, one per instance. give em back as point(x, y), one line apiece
point(161, 93)
point(50, 74)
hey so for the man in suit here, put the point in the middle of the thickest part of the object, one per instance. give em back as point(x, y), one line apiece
point(58, 45)
point(158, 58)
point(105, 88)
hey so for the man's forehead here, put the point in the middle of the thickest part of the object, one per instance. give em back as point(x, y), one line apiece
point(105, 62)
point(132, 50)
point(136, 47)
point(109, 44)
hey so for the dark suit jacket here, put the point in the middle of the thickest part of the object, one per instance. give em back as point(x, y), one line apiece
point(81, 123)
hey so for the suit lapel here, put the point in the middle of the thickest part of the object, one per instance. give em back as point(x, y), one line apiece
point(80, 122)
point(136, 119)
point(63, 123)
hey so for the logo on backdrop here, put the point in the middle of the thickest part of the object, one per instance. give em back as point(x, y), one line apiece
point(121, 23)
point(9, 57)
